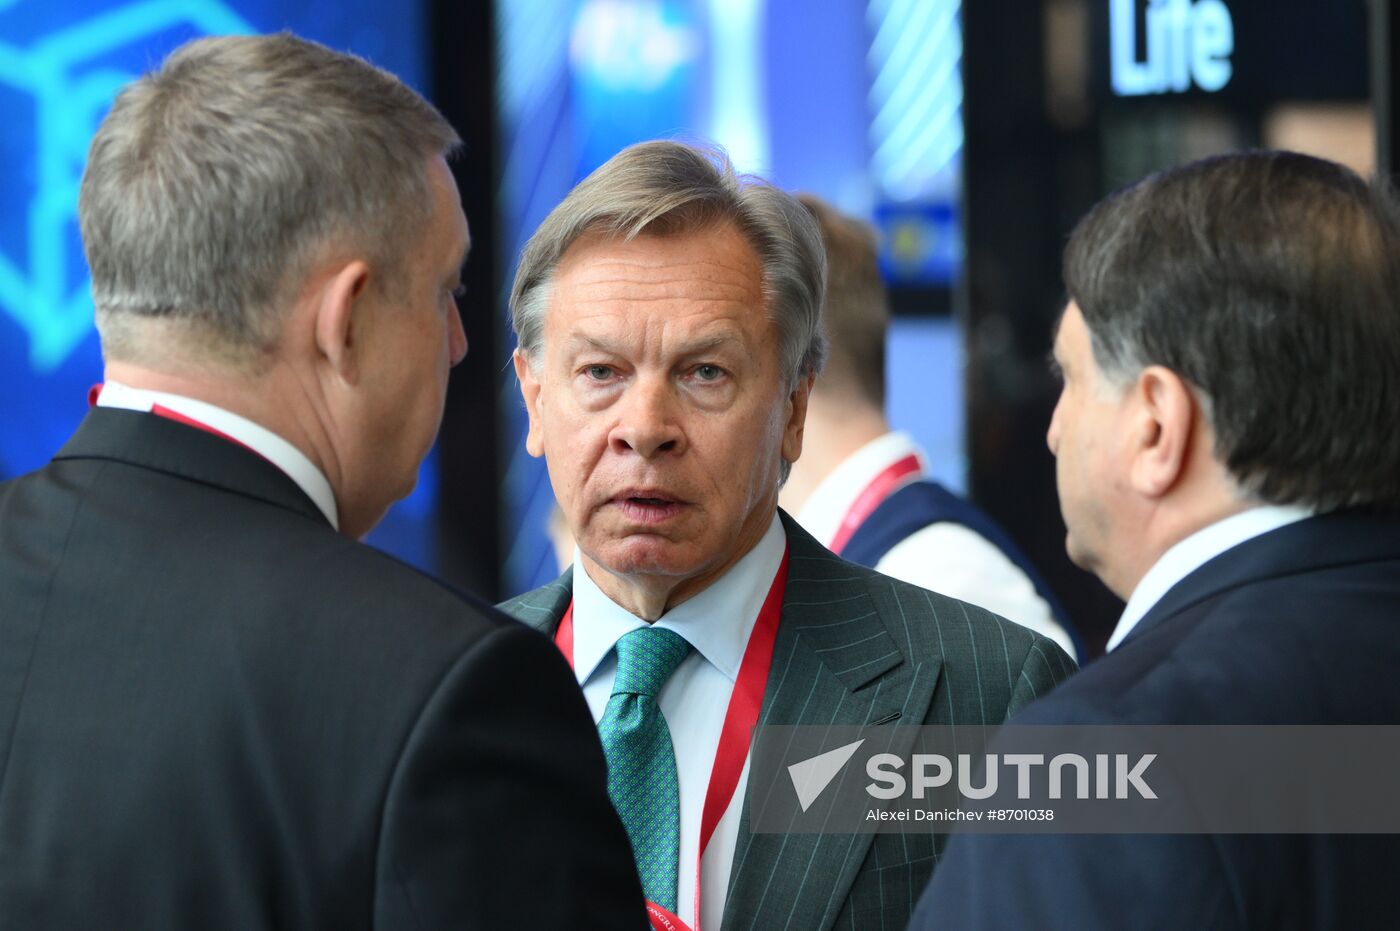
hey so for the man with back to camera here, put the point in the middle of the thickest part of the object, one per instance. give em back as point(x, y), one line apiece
point(1227, 463)
point(215, 710)
point(668, 318)
point(862, 489)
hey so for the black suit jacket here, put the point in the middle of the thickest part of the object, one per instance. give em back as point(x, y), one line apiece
point(216, 712)
point(1298, 626)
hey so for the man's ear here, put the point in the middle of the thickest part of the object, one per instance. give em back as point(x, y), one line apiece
point(530, 391)
point(1162, 429)
point(797, 417)
point(340, 318)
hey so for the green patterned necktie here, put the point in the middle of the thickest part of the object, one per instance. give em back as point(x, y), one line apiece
point(641, 760)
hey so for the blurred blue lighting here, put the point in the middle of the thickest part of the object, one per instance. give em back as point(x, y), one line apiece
point(630, 45)
point(916, 97)
point(49, 300)
point(738, 122)
point(1183, 42)
point(61, 64)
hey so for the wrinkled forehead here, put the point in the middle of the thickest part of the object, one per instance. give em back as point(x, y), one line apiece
point(707, 284)
point(710, 251)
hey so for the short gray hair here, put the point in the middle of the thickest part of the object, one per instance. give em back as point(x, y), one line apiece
point(666, 188)
point(215, 180)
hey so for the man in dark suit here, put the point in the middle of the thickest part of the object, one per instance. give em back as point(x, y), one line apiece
point(668, 317)
point(1227, 463)
point(216, 711)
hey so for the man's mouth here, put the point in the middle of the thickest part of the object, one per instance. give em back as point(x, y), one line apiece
point(647, 506)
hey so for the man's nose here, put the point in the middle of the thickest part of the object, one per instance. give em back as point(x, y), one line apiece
point(456, 337)
point(648, 424)
point(1052, 434)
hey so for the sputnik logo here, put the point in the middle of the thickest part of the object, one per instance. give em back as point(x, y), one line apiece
point(811, 777)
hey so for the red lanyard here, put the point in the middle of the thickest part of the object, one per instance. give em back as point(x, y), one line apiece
point(739, 720)
point(880, 488)
point(160, 410)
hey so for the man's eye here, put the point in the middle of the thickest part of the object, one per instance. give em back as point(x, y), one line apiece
point(599, 372)
point(709, 372)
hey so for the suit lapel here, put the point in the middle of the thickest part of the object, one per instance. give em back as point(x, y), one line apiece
point(543, 607)
point(835, 664)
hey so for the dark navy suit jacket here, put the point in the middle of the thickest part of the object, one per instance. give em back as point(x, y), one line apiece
point(1297, 626)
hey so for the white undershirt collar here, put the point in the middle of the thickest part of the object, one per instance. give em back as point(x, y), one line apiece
point(716, 622)
point(821, 514)
point(1194, 551)
point(260, 440)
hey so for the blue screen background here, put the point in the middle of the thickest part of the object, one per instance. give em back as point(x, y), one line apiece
point(60, 66)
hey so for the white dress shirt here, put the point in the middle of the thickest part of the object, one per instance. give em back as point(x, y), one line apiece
point(717, 623)
point(1195, 551)
point(259, 439)
point(945, 557)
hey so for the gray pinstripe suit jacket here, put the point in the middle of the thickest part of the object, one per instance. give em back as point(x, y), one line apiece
point(855, 647)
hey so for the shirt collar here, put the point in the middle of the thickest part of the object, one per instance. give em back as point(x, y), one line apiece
point(1199, 548)
point(821, 514)
point(716, 622)
point(260, 440)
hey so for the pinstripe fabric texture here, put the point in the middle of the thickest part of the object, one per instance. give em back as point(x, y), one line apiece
point(858, 648)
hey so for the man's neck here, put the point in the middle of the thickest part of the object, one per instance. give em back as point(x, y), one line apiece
point(1166, 528)
point(835, 430)
point(1193, 551)
point(259, 397)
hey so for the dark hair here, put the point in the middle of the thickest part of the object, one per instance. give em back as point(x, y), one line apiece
point(1271, 282)
point(856, 314)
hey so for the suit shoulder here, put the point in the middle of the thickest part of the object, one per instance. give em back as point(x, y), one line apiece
point(979, 667)
point(940, 625)
point(375, 583)
point(277, 569)
point(1273, 651)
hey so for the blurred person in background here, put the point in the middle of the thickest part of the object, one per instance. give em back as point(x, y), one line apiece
point(217, 708)
point(862, 489)
point(1228, 463)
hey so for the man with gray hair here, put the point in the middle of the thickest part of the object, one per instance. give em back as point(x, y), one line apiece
point(1228, 463)
point(669, 322)
point(216, 711)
